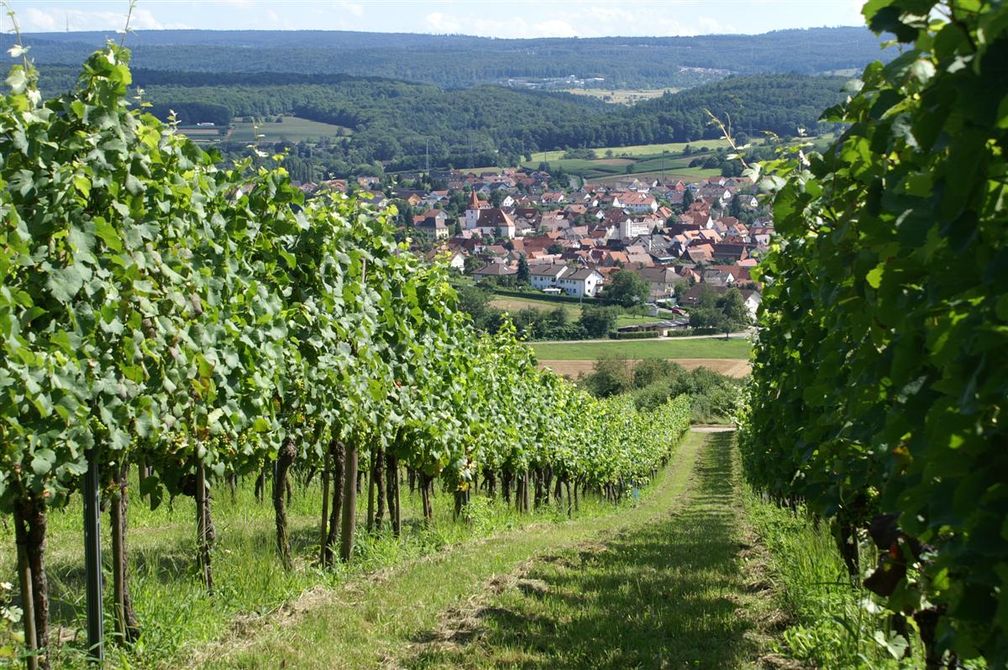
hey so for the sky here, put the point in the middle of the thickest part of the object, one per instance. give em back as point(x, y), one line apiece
point(512, 18)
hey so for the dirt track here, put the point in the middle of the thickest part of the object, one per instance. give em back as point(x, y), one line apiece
point(726, 366)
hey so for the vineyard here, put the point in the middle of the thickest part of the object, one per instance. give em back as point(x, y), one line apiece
point(185, 324)
point(879, 377)
point(199, 340)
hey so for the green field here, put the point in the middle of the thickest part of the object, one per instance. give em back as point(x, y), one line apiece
point(622, 96)
point(291, 128)
point(636, 150)
point(662, 159)
point(513, 304)
point(735, 348)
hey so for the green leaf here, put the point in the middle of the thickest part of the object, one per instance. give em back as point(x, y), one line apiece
point(874, 276)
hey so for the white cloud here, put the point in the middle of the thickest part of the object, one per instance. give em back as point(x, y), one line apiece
point(351, 7)
point(34, 19)
point(440, 23)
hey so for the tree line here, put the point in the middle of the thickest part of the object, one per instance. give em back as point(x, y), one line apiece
point(457, 61)
point(402, 126)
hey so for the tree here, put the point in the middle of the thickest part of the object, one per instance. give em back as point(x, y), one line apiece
point(735, 208)
point(725, 313)
point(627, 289)
point(610, 377)
point(597, 321)
point(733, 306)
point(687, 199)
point(523, 275)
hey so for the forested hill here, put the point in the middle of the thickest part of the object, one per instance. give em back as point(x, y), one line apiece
point(458, 61)
point(402, 124)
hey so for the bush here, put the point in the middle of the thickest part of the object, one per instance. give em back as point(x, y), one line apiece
point(614, 335)
point(610, 377)
point(597, 321)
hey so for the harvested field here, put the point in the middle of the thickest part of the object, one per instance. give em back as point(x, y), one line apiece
point(727, 366)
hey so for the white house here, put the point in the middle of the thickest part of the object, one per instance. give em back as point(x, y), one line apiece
point(631, 228)
point(581, 283)
point(546, 275)
point(494, 222)
point(638, 203)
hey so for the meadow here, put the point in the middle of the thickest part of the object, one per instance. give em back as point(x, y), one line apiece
point(672, 348)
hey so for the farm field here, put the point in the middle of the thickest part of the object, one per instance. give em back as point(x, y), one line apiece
point(622, 96)
point(672, 165)
point(201, 135)
point(637, 150)
point(291, 128)
point(673, 348)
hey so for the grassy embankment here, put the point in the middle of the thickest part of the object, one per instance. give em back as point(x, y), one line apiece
point(830, 624)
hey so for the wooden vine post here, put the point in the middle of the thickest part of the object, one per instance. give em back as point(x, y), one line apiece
point(92, 561)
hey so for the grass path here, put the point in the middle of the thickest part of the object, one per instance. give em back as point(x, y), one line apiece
point(672, 592)
point(653, 585)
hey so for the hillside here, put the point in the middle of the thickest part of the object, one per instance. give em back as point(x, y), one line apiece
point(458, 61)
point(402, 124)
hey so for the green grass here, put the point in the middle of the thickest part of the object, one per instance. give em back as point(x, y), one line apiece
point(669, 593)
point(384, 622)
point(622, 96)
point(830, 627)
point(636, 150)
point(291, 128)
point(175, 612)
point(735, 348)
point(514, 303)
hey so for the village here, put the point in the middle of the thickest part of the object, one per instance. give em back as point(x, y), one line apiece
point(518, 230)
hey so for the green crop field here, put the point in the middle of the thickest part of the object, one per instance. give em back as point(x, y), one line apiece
point(291, 128)
point(735, 348)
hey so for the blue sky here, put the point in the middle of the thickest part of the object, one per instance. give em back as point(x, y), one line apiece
point(514, 18)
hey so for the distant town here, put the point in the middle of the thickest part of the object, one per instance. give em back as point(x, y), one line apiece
point(514, 229)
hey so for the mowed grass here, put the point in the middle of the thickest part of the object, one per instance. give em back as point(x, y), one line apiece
point(717, 347)
point(176, 614)
point(671, 593)
point(515, 304)
point(573, 311)
point(291, 128)
point(390, 621)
